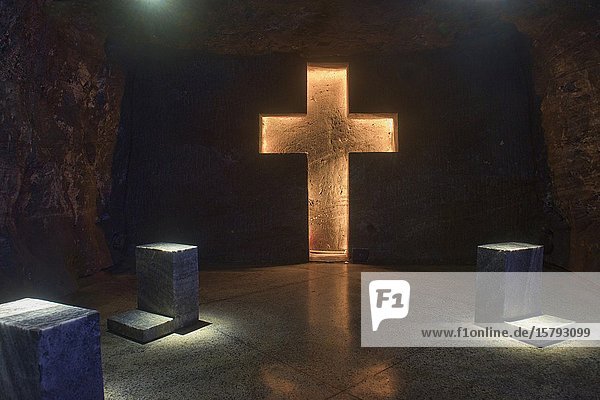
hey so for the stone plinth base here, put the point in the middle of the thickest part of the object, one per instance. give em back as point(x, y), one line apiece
point(167, 292)
point(141, 326)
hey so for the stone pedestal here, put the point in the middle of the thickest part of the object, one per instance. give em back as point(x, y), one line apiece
point(509, 289)
point(49, 351)
point(168, 281)
point(509, 282)
point(167, 292)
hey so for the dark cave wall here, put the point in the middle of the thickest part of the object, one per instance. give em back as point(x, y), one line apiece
point(470, 168)
point(466, 173)
point(59, 112)
point(187, 166)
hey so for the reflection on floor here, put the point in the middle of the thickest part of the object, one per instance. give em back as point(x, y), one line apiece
point(294, 332)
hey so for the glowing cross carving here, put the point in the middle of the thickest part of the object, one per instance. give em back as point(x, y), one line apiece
point(327, 133)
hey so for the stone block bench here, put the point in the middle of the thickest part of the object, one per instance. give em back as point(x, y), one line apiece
point(509, 288)
point(49, 351)
point(167, 297)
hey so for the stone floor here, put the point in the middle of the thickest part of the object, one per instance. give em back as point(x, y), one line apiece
point(294, 332)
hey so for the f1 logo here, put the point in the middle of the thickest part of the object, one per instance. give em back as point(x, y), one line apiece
point(389, 299)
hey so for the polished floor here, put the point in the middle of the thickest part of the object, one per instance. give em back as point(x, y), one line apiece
point(293, 332)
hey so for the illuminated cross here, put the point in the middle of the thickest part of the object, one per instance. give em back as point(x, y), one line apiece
point(327, 133)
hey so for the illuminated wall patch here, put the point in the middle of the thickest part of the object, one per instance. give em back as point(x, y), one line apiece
point(327, 133)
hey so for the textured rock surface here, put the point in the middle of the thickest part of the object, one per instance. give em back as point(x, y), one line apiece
point(49, 351)
point(566, 51)
point(59, 111)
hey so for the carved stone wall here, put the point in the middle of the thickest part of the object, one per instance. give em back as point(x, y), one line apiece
point(61, 94)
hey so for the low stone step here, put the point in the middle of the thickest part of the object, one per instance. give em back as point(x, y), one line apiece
point(141, 326)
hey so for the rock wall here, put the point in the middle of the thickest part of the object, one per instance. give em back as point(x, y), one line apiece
point(59, 111)
point(566, 52)
point(60, 104)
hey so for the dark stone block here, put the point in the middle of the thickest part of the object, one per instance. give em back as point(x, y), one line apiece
point(49, 351)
